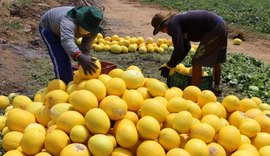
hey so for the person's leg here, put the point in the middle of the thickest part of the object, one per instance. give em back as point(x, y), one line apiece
point(60, 59)
point(217, 77)
point(196, 75)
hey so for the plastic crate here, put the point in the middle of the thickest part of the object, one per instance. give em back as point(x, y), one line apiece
point(106, 67)
point(182, 81)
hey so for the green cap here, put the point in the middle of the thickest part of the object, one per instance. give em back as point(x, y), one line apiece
point(88, 18)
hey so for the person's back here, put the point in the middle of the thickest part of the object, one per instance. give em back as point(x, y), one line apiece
point(52, 18)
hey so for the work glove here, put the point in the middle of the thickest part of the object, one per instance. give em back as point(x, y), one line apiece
point(88, 63)
point(165, 70)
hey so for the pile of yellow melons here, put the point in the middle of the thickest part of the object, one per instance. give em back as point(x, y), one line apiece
point(123, 113)
point(128, 44)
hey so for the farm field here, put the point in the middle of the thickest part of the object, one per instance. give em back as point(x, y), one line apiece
point(25, 69)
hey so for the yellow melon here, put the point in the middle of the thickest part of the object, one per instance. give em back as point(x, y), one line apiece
point(58, 109)
point(56, 84)
point(126, 133)
point(182, 122)
point(162, 100)
point(5, 130)
point(3, 120)
point(205, 97)
point(152, 107)
point(4, 102)
point(264, 122)
point(21, 101)
point(155, 87)
point(144, 91)
point(177, 104)
point(96, 87)
point(236, 118)
point(231, 103)
point(264, 151)
point(134, 99)
point(132, 116)
point(246, 104)
point(194, 109)
point(214, 108)
point(173, 92)
point(168, 120)
point(249, 148)
point(79, 134)
point(116, 48)
point(43, 154)
point(69, 119)
point(133, 79)
point(169, 139)
point(252, 113)
point(119, 151)
point(88, 75)
point(202, 131)
point(18, 119)
point(212, 120)
point(240, 153)
point(191, 93)
point(117, 72)
point(14, 153)
point(245, 139)
point(75, 149)
point(36, 126)
point(43, 115)
point(216, 149)
point(260, 140)
point(134, 67)
point(100, 144)
point(72, 88)
point(229, 138)
point(32, 141)
point(249, 127)
point(114, 106)
point(83, 100)
point(196, 147)
point(33, 107)
point(150, 147)
point(55, 141)
point(148, 127)
point(116, 86)
point(177, 152)
point(55, 96)
point(104, 78)
point(97, 121)
point(11, 140)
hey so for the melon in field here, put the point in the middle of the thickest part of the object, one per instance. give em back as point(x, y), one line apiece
point(32, 141)
point(21, 101)
point(148, 127)
point(55, 96)
point(150, 147)
point(55, 141)
point(133, 79)
point(126, 133)
point(100, 144)
point(4, 102)
point(11, 140)
point(75, 149)
point(67, 120)
point(18, 119)
point(97, 121)
point(56, 84)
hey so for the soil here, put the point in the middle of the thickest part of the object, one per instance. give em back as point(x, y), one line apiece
point(20, 41)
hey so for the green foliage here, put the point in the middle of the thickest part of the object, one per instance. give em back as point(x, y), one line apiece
point(14, 25)
point(249, 13)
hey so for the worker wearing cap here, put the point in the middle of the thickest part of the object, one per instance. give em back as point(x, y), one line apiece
point(60, 27)
point(205, 27)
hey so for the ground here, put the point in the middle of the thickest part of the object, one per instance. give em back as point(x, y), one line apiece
point(20, 41)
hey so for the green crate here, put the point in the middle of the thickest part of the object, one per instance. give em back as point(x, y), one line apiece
point(182, 81)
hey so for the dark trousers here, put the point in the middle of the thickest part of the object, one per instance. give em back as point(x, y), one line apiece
point(59, 57)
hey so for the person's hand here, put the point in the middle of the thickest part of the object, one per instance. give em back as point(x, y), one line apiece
point(165, 70)
point(87, 63)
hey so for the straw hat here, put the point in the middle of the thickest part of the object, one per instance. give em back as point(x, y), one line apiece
point(158, 20)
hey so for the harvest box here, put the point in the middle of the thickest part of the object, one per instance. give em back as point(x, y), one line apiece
point(106, 67)
point(182, 81)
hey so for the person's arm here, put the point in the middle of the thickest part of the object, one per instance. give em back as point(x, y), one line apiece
point(87, 42)
point(67, 35)
point(179, 51)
